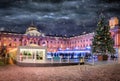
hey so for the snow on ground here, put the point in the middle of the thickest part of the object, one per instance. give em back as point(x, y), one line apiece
point(62, 73)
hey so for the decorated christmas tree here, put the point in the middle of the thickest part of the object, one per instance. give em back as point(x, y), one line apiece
point(102, 42)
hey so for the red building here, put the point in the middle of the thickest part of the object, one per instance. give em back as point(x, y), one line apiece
point(115, 32)
point(53, 44)
point(32, 36)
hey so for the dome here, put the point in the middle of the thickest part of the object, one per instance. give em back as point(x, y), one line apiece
point(33, 31)
point(31, 28)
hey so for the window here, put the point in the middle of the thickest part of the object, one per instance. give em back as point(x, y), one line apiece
point(14, 44)
point(20, 39)
point(64, 42)
point(75, 42)
point(90, 39)
point(10, 39)
point(10, 44)
point(24, 43)
point(83, 45)
point(4, 38)
point(81, 40)
point(51, 41)
point(15, 39)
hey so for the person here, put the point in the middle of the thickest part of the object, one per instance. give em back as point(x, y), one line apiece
point(112, 57)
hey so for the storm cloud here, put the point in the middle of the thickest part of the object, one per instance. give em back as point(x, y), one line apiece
point(62, 17)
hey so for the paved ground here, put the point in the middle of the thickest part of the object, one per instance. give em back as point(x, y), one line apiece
point(105, 72)
point(102, 62)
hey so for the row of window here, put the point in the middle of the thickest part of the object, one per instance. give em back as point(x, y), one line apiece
point(57, 42)
point(10, 44)
point(72, 42)
point(81, 46)
point(9, 39)
point(71, 46)
point(65, 42)
point(81, 41)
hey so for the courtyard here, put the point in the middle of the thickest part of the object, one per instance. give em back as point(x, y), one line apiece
point(102, 72)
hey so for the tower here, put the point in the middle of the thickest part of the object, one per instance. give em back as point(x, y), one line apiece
point(115, 31)
point(32, 30)
point(114, 21)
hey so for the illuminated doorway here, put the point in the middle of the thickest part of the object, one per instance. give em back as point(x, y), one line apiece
point(31, 54)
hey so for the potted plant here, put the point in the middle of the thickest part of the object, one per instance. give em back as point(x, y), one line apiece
point(102, 57)
point(25, 54)
point(29, 55)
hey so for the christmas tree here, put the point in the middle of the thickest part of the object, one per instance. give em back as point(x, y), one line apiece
point(102, 42)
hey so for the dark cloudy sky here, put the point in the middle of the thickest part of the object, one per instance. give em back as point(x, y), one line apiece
point(56, 16)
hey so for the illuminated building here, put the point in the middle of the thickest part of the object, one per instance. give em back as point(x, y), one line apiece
point(115, 30)
point(54, 43)
point(32, 36)
point(115, 33)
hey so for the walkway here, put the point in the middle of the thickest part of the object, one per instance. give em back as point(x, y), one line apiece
point(102, 62)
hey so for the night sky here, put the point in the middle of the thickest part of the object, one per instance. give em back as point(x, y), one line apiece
point(61, 17)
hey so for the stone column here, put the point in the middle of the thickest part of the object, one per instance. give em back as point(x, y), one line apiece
point(34, 57)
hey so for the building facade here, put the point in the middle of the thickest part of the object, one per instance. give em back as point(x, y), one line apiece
point(32, 36)
point(53, 44)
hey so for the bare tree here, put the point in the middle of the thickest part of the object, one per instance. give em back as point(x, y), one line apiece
point(3, 53)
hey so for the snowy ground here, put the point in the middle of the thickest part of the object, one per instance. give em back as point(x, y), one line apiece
point(63, 73)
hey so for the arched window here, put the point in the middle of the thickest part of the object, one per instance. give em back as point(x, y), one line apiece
point(15, 39)
point(30, 42)
point(34, 42)
point(51, 41)
point(10, 44)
